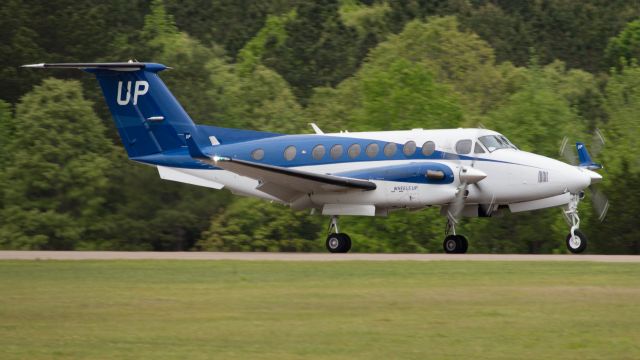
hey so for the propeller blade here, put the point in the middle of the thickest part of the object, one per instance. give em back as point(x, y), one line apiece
point(457, 205)
point(597, 144)
point(600, 202)
point(567, 152)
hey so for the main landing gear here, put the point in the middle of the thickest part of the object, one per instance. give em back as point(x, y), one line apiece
point(576, 240)
point(337, 242)
point(454, 244)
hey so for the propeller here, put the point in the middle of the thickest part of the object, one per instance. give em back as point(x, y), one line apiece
point(599, 200)
point(468, 175)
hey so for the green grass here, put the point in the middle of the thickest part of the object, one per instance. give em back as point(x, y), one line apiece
point(284, 310)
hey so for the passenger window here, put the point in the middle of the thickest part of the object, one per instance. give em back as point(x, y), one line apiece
point(390, 149)
point(318, 152)
point(478, 149)
point(290, 153)
point(409, 148)
point(257, 154)
point(428, 148)
point(354, 151)
point(336, 151)
point(372, 150)
point(463, 146)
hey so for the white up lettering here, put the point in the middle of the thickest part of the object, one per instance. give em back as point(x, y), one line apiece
point(141, 87)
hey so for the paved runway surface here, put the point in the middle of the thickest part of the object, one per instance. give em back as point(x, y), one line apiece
point(149, 255)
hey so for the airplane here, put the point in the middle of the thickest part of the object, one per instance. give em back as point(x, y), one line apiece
point(466, 172)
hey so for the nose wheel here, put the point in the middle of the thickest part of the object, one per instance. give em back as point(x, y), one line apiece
point(576, 240)
point(337, 242)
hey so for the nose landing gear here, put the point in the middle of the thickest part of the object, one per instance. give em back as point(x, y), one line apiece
point(576, 240)
point(337, 242)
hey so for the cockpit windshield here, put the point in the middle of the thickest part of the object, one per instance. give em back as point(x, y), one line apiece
point(495, 142)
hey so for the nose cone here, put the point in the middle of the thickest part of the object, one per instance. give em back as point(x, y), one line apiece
point(577, 179)
point(594, 176)
point(471, 175)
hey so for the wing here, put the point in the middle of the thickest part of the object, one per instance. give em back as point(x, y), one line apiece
point(288, 184)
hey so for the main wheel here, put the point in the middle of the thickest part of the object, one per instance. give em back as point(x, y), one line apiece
point(578, 243)
point(455, 244)
point(338, 243)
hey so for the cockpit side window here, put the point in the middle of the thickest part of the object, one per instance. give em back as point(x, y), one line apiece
point(495, 142)
point(463, 146)
point(478, 148)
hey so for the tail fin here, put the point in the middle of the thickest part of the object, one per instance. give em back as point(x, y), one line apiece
point(148, 117)
point(585, 158)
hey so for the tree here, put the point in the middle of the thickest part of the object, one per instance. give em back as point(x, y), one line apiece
point(319, 50)
point(229, 23)
point(407, 94)
point(625, 47)
point(5, 131)
point(255, 225)
point(56, 179)
point(256, 98)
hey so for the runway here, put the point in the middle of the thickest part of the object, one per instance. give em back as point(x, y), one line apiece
point(256, 256)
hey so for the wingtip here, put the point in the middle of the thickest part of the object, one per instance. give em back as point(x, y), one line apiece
point(41, 65)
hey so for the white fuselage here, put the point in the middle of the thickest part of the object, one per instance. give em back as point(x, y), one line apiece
point(512, 177)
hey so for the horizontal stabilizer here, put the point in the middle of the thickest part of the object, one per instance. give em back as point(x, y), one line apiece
point(115, 66)
point(187, 176)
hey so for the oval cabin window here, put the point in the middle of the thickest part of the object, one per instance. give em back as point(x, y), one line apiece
point(354, 151)
point(336, 151)
point(372, 150)
point(428, 148)
point(257, 154)
point(290, 153)
point(409, 148)
point(390, 149)
point(318, 152)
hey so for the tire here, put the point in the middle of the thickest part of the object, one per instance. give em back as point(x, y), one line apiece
point(451, 244)
point(347, 244)
point(579, 244)
point(464, 244)
point(338, 243)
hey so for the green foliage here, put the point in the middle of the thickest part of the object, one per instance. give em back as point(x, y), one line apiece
point(272, 34)
point(625, 47)
point(319, 50)
point(55, 181)
point(406, 93)
point(229, 23)
point(255, 225)
point(256, 99)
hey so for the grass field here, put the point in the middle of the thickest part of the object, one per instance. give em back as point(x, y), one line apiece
point(287, 310)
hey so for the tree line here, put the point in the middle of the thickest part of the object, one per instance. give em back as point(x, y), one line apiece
point(536, 71)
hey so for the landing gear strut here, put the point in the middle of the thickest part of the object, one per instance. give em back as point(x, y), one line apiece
point(337, 242)
point(576, 240)
point(454, 244)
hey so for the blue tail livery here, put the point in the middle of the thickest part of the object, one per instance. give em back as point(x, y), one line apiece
point(585, 158)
